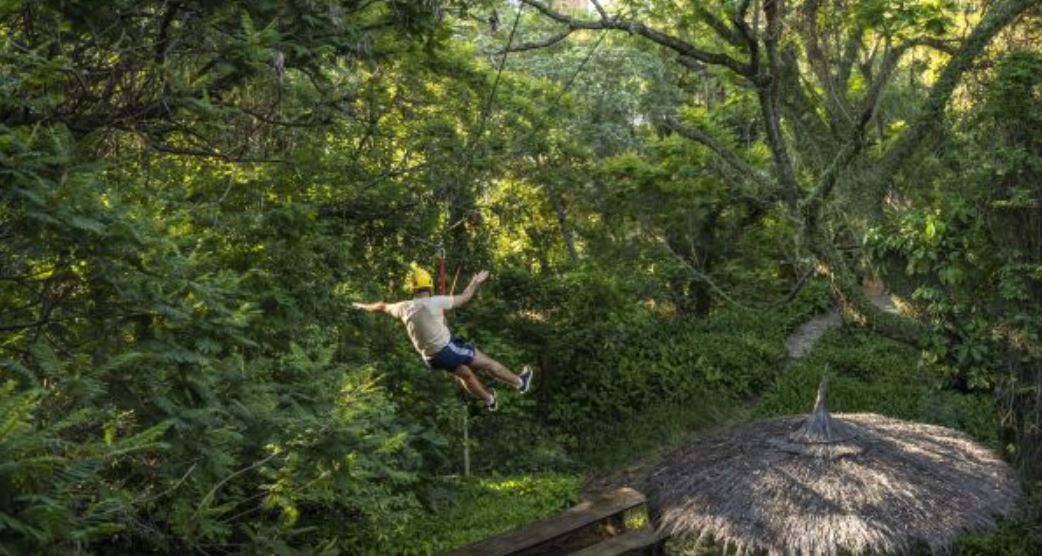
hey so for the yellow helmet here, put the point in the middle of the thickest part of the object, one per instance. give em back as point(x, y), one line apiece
point(419, 279)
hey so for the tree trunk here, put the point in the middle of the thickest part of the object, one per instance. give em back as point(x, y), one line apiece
point(562, 221)
point(846, 288)
point(1018, 403)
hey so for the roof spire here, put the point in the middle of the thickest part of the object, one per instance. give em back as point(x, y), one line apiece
point(819, 427)
point(820, 435)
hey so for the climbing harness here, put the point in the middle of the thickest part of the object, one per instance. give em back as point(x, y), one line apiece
point(441, 272)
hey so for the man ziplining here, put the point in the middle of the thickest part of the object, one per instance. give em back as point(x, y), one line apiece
point(424, 319)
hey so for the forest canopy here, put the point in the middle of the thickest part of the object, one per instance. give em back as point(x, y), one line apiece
point(193, 194)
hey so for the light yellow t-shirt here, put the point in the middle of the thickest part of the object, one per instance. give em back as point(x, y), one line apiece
point(424, 319)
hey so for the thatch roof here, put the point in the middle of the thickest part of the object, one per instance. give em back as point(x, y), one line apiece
point(826, 485)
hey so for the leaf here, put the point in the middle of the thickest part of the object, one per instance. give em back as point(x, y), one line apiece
point(86, 224)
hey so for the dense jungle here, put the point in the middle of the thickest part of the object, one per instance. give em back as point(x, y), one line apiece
point(194, 194)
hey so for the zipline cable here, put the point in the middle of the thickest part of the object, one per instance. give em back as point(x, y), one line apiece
point(469, 149)
point(579, 68)
point(486, 113)
point(553, 103)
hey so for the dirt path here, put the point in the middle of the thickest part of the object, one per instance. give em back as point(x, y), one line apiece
point(807, 335)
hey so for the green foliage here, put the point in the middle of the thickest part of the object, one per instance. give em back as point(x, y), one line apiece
point(463, 511)
point(56, 476)
point(905, 18)
point(234, 414)
point(622, 366)
point(172, 361)
point(652, 431)
point(968, 256)
point(867, 373)
point(946, 249)
point(194, 193)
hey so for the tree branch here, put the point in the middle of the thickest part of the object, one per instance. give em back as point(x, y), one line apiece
point(206, 153)
point(931, 115)
point(600, 9)
point(748, 35)
point(814, 202)
point(690, 63)
point(769, 93)
point(549, 41)
point(677, 45)
point(716, 289)
point(799, 105)
point(837, 107)
point(886, 70)
point(162, 38)
point(738, 19)
point(849, 56)
point(846, 288)
point(730, 35)
point(727, 154)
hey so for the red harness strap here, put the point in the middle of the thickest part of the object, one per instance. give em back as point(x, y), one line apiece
point(441, 276)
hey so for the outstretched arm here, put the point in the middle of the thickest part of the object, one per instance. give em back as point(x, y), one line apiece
point(378, 307)
point(462, 299)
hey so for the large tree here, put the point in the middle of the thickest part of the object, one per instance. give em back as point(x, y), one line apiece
point(850, 95)
point(818, 72)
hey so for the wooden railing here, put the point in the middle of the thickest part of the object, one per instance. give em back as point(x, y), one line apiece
point(548, 536)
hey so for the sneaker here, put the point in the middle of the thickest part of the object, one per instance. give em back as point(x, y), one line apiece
point(494, 404)
point(526, 379)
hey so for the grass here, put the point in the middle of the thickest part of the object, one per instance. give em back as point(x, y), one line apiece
point(648, 435)
point(462, 511)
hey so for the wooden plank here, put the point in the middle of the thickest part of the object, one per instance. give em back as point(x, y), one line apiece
point(616, 546)
point(545, 530)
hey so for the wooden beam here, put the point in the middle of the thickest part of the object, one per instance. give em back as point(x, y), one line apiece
point(622, 544)
point(534, 534)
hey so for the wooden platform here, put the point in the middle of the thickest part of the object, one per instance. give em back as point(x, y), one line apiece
point(617, 546)
point(539, 532)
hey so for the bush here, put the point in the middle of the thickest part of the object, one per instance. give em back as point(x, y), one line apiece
point(868, 373)
point(655, 369)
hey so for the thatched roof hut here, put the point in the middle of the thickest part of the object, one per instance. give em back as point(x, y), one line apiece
point(827, 485)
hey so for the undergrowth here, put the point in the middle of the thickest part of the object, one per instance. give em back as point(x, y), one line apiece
point(461, 511)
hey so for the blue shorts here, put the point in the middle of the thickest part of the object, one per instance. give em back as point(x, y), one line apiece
point(457, 352)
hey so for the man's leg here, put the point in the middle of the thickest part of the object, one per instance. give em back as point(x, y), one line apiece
point(471, 384)
point(498, 370)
